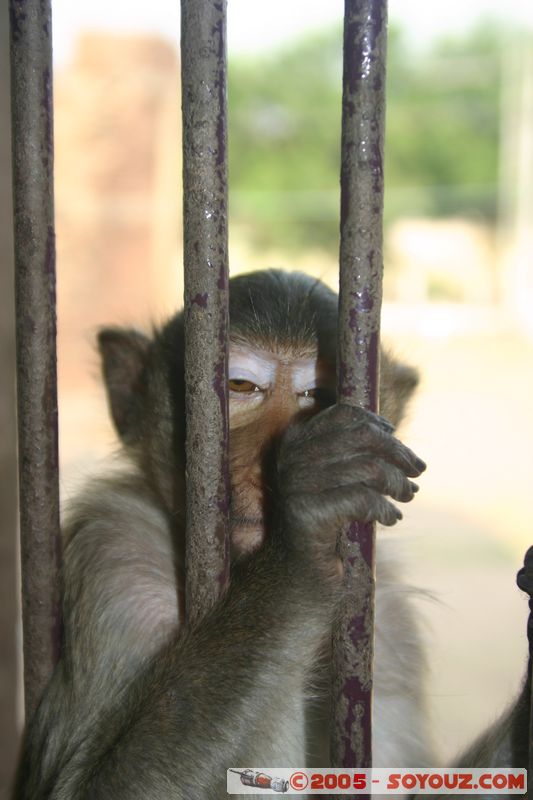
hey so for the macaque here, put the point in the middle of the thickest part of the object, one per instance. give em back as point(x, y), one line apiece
point(505, 743)
point(142, 706)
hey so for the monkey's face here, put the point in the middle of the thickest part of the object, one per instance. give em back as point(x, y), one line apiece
point(268, 389)
point(282, 366)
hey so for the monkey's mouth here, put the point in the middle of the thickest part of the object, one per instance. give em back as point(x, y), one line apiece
point(246, 508)
point(247, 515)
point(247, 532)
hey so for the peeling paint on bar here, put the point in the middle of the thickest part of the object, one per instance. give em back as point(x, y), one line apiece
point(363, 110)
point(32, 136)
point(203, 54)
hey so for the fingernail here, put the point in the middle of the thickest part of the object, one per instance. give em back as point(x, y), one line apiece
point(419, 464)
point(414, 487)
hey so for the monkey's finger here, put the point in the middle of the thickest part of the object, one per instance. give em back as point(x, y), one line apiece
point(363, 504)
point(391, 449)
point(319, 510)
point(377, 474)
point(369, 471)
point(349, 415)
point(383, 422)
point(366, 440)
point(395, 452)
point(364, 416)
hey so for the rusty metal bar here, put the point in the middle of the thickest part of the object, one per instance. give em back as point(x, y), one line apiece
point(363, 113)
point(32, 137)
point(203, 74)
point(8, 443)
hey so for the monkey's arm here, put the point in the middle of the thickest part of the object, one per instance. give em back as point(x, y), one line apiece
point(505, 743)
point(226, 693)
point(230, 691)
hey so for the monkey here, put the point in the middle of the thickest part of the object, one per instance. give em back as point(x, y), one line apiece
point(505, 743)
point(142, 705)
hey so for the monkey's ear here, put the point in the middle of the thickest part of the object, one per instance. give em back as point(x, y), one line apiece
point(124, 357)
point(398, 383)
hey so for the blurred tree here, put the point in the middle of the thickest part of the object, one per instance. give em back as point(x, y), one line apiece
point(442, 135)
point(443, 126)
point(284, 142)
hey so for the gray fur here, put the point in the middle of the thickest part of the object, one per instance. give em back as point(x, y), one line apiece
point(143, 707)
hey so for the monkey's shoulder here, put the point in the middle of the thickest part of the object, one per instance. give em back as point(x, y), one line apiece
point(113, 511)
point(120, 567)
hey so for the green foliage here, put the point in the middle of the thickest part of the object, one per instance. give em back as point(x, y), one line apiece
point(284, 154)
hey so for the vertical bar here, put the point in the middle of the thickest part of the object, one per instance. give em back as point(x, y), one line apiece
point(32, 141)
point(363, 108)
point(8, 443)
point(203, 59)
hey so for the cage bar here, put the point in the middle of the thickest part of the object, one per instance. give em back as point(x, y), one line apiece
point(363, 113)
point(32, 142)
point(203, 70)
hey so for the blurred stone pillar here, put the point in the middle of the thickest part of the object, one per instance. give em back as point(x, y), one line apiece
point(118, 211)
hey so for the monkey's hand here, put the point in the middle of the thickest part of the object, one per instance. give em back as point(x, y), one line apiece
point(338, 467)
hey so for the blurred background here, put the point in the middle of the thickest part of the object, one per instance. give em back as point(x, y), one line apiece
point(458, 272)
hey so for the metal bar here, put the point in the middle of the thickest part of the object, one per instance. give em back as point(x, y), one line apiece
point(8, 444)
point(32, 138)
point(203, 70)
point(363, 108)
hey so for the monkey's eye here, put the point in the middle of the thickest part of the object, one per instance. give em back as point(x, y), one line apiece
point(242, 386)
point(317, 396)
